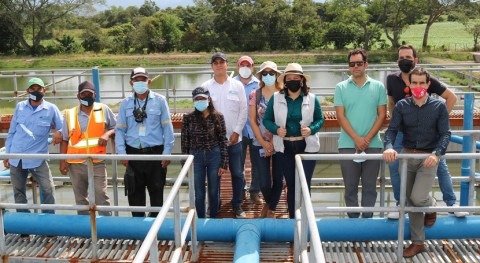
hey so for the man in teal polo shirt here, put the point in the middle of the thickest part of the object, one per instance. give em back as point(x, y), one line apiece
point(360, 103)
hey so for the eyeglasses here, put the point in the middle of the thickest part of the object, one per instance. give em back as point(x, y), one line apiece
point(358, 63)
point(406, 90)
point(271, 73)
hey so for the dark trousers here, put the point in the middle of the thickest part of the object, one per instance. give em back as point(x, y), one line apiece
point(149, 174)
point(285, 163)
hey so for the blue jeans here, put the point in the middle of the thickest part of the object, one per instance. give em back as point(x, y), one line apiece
point(236, 170)
point(271, 182)
point(254, 184)
point(285, 164)
point(444, 177)
point(44, 178)
point(206, 164)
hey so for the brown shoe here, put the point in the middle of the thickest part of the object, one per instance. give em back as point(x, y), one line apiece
point(255, 197)
point(430, 219)
point(270, 214)
point(413, 249)
point(264, 212)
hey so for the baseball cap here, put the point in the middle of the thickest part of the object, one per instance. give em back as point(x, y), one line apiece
point(245, 58)
point(200, 92)
point(218, 55)
point(86, 86)
point(136, 72)
point(35, 81)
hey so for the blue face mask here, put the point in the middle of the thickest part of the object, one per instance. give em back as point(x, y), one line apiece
point(140, 87)
point(201, 105)
point(269, 80)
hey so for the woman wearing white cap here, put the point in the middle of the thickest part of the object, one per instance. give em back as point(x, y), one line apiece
point(271, 182)
point(294, 117)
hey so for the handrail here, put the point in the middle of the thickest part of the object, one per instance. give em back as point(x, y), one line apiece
point(304, 215)
point(172, 198)
point(402, 208)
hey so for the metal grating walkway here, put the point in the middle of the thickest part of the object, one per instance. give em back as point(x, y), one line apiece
point(70, 249)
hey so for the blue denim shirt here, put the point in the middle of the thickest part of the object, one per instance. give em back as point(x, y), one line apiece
point(155, 130)
point(29, 131)
point(251, 86)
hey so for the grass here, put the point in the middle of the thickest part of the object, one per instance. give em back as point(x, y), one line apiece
point(443, 36)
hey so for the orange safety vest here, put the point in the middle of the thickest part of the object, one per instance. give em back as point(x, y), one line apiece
point(85, 142)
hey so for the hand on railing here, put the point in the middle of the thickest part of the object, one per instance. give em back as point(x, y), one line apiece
point(57, 138)
point(6, 163)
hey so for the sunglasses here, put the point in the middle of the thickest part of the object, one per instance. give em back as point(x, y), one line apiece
point(358, 63)
point(406, 90)
point(271, 73)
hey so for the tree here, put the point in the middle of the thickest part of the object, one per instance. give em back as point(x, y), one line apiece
point(8, 42)
point(30, 21)
point(307, 24)
point(159, 33)
point(148, 8)
point(340, 34)
point(435, 9)
point(122, 37)
point(92, 38)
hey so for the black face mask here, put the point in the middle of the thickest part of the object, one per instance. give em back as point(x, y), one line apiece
point(293, 85)
point(36, 96)
point(405, 65)
point(87, 101)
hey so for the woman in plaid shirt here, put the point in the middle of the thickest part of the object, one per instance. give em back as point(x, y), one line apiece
point(204, 137)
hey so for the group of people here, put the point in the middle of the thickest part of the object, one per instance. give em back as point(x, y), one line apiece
point(272, 113)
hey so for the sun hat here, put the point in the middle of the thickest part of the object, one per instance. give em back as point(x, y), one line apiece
point(267, 64)
point(35, 81)
point(293, 68)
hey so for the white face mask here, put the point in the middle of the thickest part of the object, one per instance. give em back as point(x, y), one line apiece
point(360, 160)
point(245, 72)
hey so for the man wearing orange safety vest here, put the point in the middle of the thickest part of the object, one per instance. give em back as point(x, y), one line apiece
point(86, 130)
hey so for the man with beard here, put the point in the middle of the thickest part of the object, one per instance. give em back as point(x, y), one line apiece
point(398, 87)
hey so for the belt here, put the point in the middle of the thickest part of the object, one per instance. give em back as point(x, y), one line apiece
point(408, 150)
point(145, 150)
point(294, 139)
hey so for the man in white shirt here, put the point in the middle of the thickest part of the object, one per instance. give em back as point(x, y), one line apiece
point(228, 97)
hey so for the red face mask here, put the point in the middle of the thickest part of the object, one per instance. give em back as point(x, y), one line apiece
point(418, 92)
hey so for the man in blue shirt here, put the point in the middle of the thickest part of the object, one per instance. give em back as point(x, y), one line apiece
point(28, 134)
point(425, 125)
point(245, 67)
point(144, 127)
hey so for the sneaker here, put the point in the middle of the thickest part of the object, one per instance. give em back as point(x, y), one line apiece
point(264, 211)
point(255, 198)
point(393, 215)
point(239, 213)
point(459, 214)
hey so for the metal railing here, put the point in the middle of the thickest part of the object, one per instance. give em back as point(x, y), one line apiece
point(150, 243)
point(172, 90)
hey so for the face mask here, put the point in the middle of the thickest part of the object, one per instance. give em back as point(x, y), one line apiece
point(359, 160)
point(293, 85)
point(418, 92)
point(87, 101)
point(245, 72)
point(201, 105)
point(36, 96)
point(269, 80)
point(140, 87)
point(405, 65)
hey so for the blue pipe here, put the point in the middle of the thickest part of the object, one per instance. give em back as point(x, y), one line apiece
point(459, 140)
point(247, 244)
point(96, 83)
point(225, 230)
point(466, 146)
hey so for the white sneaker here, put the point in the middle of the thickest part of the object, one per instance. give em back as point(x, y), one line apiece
point(393, 215)
point(460, 214)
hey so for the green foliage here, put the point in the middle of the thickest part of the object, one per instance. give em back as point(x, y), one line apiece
point(121, 37)
point(340, 34)
point(67, 44)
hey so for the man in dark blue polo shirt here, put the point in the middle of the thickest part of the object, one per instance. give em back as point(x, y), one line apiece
point(425, 125)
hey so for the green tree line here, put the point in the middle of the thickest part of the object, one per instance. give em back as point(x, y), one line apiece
point(32, 26)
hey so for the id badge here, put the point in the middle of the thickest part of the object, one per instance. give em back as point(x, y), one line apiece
point(141, 130)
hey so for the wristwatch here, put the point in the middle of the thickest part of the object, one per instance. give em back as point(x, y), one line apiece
point(437, 153)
